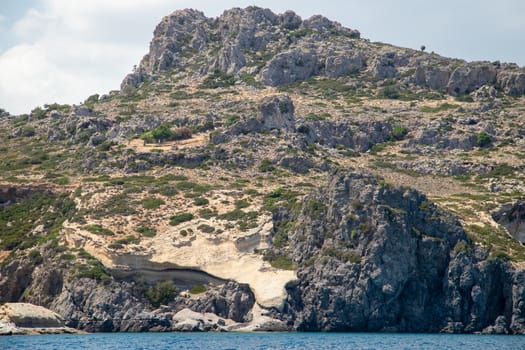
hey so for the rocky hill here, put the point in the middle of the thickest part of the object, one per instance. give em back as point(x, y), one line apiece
point(258, 171)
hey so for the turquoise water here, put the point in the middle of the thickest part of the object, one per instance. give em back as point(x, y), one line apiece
point(260, 341)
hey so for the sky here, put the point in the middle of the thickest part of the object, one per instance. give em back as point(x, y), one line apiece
point(66, 50)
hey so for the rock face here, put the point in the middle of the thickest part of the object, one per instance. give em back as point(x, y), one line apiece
point(382, 259)
point(344, 63)
point(512, 82)
point(468, 78)
point(512, 217)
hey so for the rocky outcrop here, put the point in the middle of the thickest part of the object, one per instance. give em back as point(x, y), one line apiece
point(341, 64)
point(512, 82)
point(24, 318)
point(376, 258)
point(443, 167)
point(277, 112)
point(434, 77)
point(274, 113)
point(233, 301)
point(288, 67)
point(434, 135)
point(360, 137)
point(384, 66)
point(512, 217)
point(469, 77)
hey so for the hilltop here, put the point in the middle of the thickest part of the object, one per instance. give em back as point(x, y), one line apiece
point(260, 171)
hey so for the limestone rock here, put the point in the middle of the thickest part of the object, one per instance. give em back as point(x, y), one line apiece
point(469, 77)
point(512, 82)
point(435, 78)
point(288, 67)
point(187, 320)
point(290, 20)
point(31, 316)
point(339, 65)
point(384, 66)
point(277, 112)
point(484, 93)
point(231, 59)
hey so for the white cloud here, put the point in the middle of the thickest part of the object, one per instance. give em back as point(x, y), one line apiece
point(70, 49)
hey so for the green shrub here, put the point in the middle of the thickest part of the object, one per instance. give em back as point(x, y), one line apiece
point(200, 201)
point(146, 231)
point(94, 270)
point(191, 186)
point(241, 204)
point(197, 289)
point(462, 247)
point(206, 228)
point(28, 131)
point(389, 92)
point(501, 170)
point(161, 293)
point(152, 203)
point(180, 218)
point(424, 206)
point(440, 108)
point(483, 139)
point(117, 205)
point(218, 79)
point(398, 133)
point(128, 240)
point(279, 261)
point(207, 213)
point(98, 230)
point(36, 257)
point(342, 255)
point(164, 133)
point(266, 166)
point(286, 198)
point(314, 209)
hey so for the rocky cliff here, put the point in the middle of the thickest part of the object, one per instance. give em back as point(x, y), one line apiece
point(260, 171)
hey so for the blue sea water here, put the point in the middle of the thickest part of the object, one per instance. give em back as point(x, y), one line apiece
point(262, 341)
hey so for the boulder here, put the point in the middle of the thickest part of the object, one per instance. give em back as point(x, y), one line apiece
point(277, 112)
point(187, 320)
point(26, 315)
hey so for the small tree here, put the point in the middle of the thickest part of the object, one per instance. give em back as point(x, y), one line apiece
point(161, 293)
point(423, 48)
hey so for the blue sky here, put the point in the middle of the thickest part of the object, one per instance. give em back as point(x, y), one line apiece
point(65, 50)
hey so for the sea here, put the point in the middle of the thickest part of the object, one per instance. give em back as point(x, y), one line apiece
point(262, 341)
